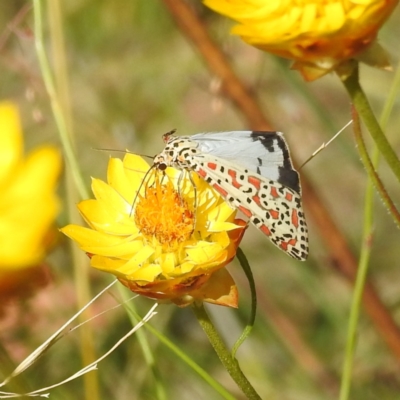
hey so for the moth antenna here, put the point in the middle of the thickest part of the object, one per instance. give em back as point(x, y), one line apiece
point(324, 145)
point(195, 199)
point(180, 178)
point(145, 180)
point(123, 151)
point(144, 155)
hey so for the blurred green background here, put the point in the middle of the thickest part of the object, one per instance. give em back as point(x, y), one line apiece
point(134, 76)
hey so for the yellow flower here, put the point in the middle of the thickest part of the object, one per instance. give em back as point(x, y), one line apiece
point(162, 235)
point(318, 34)
point(28, 202)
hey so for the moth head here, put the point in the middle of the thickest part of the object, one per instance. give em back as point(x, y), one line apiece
point(160, 162)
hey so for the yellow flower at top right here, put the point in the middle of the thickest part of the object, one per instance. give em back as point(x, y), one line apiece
point(318, 34)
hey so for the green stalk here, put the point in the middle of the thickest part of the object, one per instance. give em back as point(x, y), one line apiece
point(160, 393)
point(182, 356)
point(373, 176)
point(363, 108)
point(361, 277)
point(230, 363)
point(58, 92)
point(54, 100)
point(247, 270)
point(366, 241)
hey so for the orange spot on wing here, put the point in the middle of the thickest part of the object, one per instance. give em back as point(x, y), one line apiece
point(212, 166)
point(219, 189)
point(264, 229)
point(295, 218)
point(257, 200)
point(235, 183)
point(254, 181)
point(289, 196)
point(274, 214)
point(201, 172)
point(274, 193)
point(291, 242)
point(245, 211)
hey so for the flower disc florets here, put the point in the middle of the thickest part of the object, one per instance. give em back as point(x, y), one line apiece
point(162, 213)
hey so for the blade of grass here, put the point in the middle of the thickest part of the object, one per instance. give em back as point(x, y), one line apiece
point(184, 357)
point(146, 349)
point(366, 243)
point(59, 116)
point(80, 260)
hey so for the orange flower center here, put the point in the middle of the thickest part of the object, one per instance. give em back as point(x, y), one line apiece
point(162, 213)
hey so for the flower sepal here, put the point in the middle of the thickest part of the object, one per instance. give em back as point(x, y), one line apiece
point(375, 56)
point(217, 288)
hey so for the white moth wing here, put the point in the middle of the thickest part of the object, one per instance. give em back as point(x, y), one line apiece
point(254, 173)
point(281, 230)
point(264, 153)
point(238, 146)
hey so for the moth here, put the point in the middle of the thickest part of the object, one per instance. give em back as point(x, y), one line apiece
point(253, 172)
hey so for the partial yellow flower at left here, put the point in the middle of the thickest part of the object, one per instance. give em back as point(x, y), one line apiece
point(28, 201)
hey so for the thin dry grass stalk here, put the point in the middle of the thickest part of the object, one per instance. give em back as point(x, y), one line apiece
point(55, 337)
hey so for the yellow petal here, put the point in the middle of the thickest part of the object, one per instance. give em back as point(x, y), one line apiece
point(110, 198)
point(88, 237)
point(135, 170)
point(221, 213)
point(186, 268)
point(203, 252)
point(107, 220)
point(119, 181)
point(30, 206)
point(137, 260)
point(23, 228)
point(10, 139)
point(125, 250)
point(147, 274)
point(168, 262)
point(107, 264)
point(222, 238)
point(218, 226)
point(42, 165)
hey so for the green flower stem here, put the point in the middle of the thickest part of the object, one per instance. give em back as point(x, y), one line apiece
point(391, 99)
point(366, 242)
point(353, 322)
point(54, 100)
point(362, 106)
point(247, 270)
point(229, 362)
point(373, 176)
point(181, 355)
point(362, 271)
point(56, 83)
